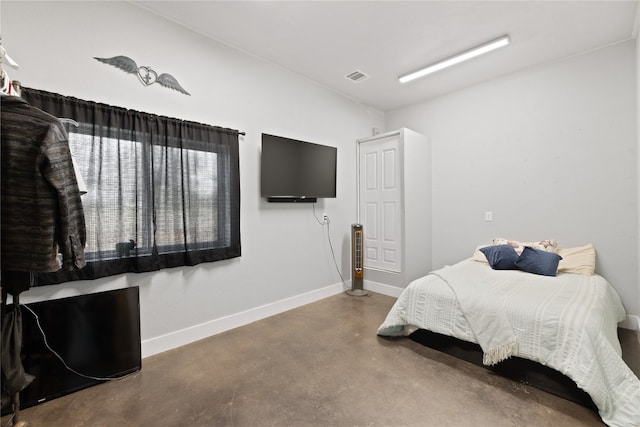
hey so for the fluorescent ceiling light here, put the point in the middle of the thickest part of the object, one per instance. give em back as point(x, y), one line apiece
point(471, 53)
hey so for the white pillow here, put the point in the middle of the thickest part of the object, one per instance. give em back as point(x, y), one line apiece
point(579, 260)
point(479, 256)
point(543, 245)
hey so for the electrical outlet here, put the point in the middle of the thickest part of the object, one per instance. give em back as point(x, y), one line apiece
point(325, 218)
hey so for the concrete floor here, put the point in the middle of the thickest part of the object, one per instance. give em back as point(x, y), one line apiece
point(318, 365)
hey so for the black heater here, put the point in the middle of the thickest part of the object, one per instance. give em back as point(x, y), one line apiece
point(357, 262)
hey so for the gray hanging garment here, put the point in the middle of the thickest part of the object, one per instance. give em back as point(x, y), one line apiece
point(14, 378)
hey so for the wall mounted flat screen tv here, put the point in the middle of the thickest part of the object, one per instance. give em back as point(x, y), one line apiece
point(97, 335)
point(296, 171)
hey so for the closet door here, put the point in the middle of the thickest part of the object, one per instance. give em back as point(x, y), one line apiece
point(381, 202)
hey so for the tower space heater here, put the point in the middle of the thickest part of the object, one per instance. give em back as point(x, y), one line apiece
point(357, 261)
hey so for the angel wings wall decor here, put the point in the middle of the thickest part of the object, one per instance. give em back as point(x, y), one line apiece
point(146, 75)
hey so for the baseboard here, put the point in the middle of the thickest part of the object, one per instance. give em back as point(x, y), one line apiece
point(185, 336)
point(381, 288)
point(631, 322)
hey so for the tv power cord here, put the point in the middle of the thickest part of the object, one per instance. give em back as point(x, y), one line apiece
point(326, 221)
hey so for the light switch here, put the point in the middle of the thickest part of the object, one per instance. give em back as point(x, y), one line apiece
point(488, 216)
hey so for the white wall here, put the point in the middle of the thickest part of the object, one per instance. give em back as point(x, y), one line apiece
point(552, 151)
point(637, 40)
point(285, 252)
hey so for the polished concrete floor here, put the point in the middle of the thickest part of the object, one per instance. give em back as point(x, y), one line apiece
point(318, 365)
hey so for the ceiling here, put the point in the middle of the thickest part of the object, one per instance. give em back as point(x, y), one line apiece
point(326, 40)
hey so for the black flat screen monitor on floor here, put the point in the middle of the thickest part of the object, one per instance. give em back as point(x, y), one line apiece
point(97, 335)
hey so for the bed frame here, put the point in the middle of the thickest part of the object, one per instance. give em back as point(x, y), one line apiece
point(516, 368)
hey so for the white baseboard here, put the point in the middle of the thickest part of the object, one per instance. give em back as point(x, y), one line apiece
point(631, 322)
point(381, 288)
point(185, 336)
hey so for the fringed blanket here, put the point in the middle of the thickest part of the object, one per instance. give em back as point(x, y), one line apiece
point(484, 313)
point(568, 323)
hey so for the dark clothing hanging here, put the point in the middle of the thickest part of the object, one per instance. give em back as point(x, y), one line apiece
point(14, 378)
point(41, 215)
point(41, 207)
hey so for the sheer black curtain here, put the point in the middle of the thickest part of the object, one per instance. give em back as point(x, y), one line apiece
point(161, 192)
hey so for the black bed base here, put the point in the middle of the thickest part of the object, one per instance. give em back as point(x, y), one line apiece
point(519, 369)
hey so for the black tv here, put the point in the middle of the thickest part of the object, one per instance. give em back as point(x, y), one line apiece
point(296, 171)
point(97, 335)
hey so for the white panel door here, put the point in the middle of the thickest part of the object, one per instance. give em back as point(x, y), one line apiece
point(381, 203)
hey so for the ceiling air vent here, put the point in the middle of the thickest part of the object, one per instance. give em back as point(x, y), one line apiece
point(357, 76)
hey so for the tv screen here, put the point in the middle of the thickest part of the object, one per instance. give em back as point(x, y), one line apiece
point(97, 335)
point(296, 171)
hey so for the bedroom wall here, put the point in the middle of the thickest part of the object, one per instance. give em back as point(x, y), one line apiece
point(552, 151)
point(285, 259)
point(636, 34)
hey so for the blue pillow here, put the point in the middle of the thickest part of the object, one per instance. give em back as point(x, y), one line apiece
point(501, 257)
point(538, 262)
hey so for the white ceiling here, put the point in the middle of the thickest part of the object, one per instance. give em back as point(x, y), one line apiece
point(326, 40)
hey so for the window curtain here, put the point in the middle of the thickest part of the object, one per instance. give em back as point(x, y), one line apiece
point(161, 192)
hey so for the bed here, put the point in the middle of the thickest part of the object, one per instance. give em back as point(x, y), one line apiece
point(565, 321)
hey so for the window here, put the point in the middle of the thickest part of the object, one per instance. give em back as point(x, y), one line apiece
point(161, 192)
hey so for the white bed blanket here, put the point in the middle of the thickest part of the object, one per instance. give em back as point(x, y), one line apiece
point(568, 322)
point(484, 313)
